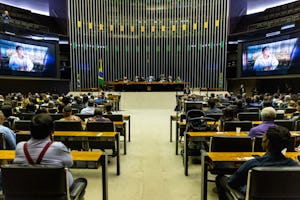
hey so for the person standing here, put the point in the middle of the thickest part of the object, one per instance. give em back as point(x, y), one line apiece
point(242, 89)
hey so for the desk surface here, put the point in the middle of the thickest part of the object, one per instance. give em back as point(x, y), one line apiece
point(212, 134)
point(242, 156)
point(76, 155)
point(79, 133)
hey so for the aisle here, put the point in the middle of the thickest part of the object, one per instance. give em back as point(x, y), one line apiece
point(150, 170)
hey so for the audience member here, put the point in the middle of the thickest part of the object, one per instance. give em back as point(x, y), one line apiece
point(90, 109)
point(268, 116)
point(41, 140)
point(98, 116)
point(276, 139)
point(67, 113)
point(212, 107)
point(10, 137)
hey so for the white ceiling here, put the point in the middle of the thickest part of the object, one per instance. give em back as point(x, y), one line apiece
point(42, 6)
point(254, 6)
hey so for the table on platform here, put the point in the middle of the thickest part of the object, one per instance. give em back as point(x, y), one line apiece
point(146, 86)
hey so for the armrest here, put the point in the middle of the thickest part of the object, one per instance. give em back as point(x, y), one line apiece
point(235, 194)
point(78, 189)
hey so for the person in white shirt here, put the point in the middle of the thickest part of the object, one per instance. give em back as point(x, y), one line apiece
point(19, 61)
point(265, 61)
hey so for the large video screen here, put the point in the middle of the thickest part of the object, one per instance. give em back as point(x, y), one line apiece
point(279, 57)
point(27, 58)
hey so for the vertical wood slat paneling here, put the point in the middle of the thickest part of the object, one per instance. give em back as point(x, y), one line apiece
point(197, 56)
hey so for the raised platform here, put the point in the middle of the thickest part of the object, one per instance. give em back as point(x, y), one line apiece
point(145, 86)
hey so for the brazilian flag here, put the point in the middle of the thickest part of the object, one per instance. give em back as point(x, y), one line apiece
point(101, 74)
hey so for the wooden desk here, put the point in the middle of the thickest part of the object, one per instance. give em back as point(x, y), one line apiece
point(78, 156)
point(127, 118)
point(122, 125)
point(172, 118)
point(205, 136)
point(232, 159)
point(84, 135)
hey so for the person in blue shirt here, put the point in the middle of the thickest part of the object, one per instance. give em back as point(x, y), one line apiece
point(276, 139)
point(9, 135)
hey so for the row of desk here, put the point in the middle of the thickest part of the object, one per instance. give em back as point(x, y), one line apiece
point(91, 160)
point(84, 137)
point(217, 160)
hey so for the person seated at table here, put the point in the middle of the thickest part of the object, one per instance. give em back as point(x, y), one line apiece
point(268, 116)
point(125, 79)
point(276, 139)
point(212, 107)
point(67, 114)
point(162, 78)
point(56, 153)
point(9, 135)
point(170, 79)
point(98, 116)
point(108, 109)
point(90, 109)
point(228, 115)
point(151, 79)
point(178, 80)
point(136, 79)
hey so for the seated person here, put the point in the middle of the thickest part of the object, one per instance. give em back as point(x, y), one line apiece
point(10, 137)
point(228, 115)
point(67, 113)
point(151, 79)
point(108, 108)
point(276, 139)
point(90, 109)
point(212, 107)
point(136, 79)
point(268, 116)
point(162, 78)
point(41, 140)
point(125, 79)
point(170, 79)
point(98, 116)
point(178, 80)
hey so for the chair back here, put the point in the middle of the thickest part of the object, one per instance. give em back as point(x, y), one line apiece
point(56, 116)
point(253, 109)
point(289, 124)
point(231, 125)
point(67, 125)
point(34, 182)
point(23, 125)
point(257, 141)
point(230, 144)
point(215, 116)
point(27, 116)
point(2, 141)
point(100, 126)
point(264, 183)
point(290, 110)
point(248, 116)
point(114, 118)
point(279, 115)
point(83, 116)
point(257, 147)
point(22, 137)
